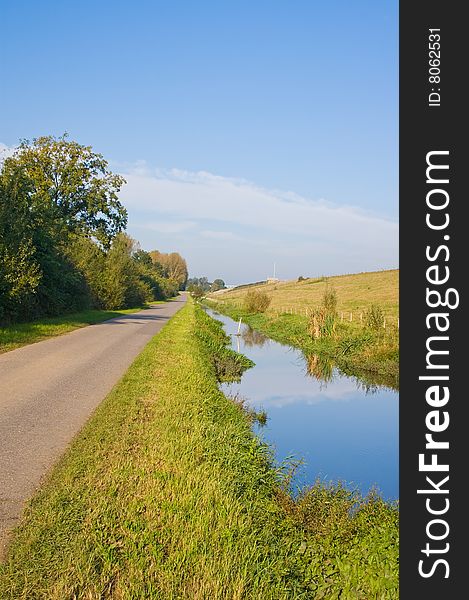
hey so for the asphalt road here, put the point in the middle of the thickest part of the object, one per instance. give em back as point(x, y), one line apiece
point(49, 389)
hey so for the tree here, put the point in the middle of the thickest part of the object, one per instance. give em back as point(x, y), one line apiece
point(149, 273)
point(123, 285)
point(201, 282)
point(196, 291)
point(62, 246)
point(143, 258)
point(69, 188)
point(20, 273)
point(218, 284)
point(173, 266)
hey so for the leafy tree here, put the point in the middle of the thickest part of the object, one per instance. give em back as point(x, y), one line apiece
point(20, 273)
point(196, 291)
point(90, 260)
point(149, 273)
point(172, 266)
point(62, 246)
point(201, 282)
point(143, 258)
point(218, 284)
point(69, 188)
point(169, 287)
point(36, 277)
point(123, 285)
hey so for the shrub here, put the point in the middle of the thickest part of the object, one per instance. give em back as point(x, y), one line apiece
point(196, 291)
point(374, 317)
point(256, 301)
point(322, 321)
point(329, 301)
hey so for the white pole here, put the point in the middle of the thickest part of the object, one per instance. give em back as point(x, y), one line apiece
point(239, 325)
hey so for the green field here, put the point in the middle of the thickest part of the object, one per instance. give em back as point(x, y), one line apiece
point(355, 293)
point(167, 494)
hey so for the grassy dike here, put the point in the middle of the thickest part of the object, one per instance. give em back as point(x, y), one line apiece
point(166, 493)
point(372, 356)
point(21, 334)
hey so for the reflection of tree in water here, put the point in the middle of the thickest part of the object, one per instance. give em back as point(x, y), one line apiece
point(319, 367)
point(322, 369)
point(252, 337)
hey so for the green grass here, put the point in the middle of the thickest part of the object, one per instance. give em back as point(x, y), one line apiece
point(355, 294)
point(21, 334)
point(167, 494)
point(372, 356)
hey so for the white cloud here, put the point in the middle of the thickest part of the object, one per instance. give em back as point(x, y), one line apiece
point(205, 196)
point(256, 225)
point(221, 235)
point(291, 389)
point(234, 229)
point(169, 226)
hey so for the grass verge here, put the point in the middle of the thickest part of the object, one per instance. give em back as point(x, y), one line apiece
point(21, 334)
point(167, 494)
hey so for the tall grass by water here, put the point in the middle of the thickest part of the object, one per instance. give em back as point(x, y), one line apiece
point(168, 494)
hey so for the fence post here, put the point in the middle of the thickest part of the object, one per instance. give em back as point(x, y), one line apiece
point(351, 317)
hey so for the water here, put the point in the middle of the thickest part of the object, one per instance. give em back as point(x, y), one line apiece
point(341, 429)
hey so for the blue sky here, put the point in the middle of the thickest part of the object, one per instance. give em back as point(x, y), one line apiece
point(286, 111)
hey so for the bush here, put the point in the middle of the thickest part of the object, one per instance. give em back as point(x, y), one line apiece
point(322, 321)
point(329, 301)
point(196, 291)
point(256, 301)
point(374, 317)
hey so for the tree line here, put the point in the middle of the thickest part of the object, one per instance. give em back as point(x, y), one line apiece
point(63, 246)
point(199, 286)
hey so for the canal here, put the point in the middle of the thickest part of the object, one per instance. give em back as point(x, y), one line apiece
point(340, 428)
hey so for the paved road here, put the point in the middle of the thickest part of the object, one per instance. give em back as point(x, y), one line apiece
point(49, 389)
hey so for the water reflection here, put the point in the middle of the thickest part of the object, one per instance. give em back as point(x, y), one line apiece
point(339, 427)
point(251, 337)
point(319, 367)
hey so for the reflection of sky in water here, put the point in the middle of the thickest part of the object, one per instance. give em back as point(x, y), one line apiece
point(339, 430)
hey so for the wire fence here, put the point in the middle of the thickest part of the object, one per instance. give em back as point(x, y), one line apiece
point(343, 316)
point(389, 321)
